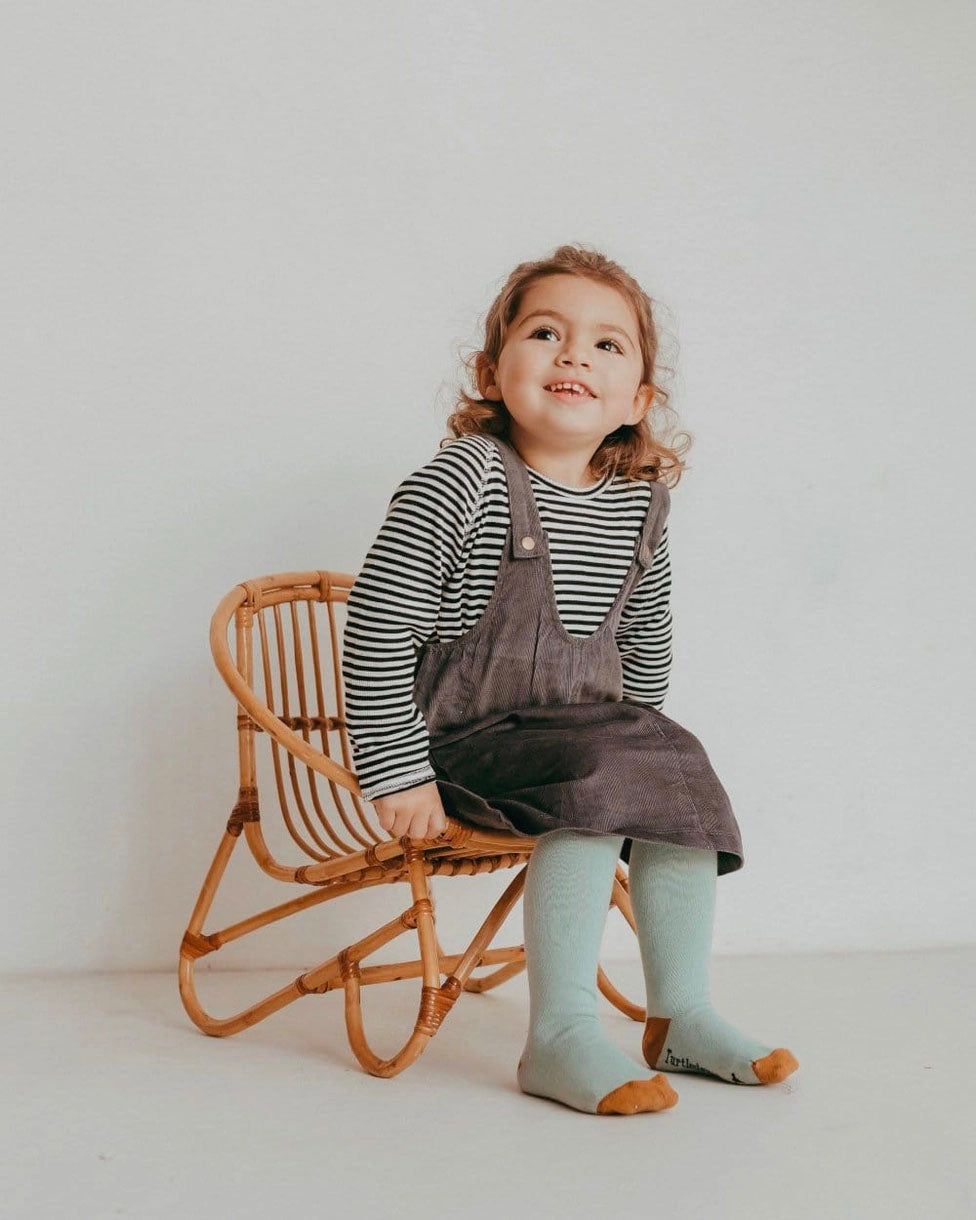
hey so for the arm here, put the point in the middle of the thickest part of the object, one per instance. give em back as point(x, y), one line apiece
point(393, 608)
point(644, 634)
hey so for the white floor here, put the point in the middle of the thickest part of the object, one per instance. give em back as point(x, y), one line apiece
point(117, 1105)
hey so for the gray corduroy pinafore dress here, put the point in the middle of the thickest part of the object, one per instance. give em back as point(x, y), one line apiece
point(529, 729)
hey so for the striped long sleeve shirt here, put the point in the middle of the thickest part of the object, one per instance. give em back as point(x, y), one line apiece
point(431, 570)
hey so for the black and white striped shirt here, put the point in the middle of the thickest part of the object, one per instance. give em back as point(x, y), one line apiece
point(432, 568)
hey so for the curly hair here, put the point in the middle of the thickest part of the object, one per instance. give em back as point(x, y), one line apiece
point(636, 451)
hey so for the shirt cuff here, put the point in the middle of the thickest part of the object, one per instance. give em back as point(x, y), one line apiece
point(400, 784)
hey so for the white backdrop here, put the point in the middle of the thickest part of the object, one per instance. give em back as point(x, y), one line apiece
point(243, 246)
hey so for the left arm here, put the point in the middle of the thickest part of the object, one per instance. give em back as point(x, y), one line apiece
point(644, 633)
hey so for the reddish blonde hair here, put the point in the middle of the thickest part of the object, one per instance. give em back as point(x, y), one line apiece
point(636, 451)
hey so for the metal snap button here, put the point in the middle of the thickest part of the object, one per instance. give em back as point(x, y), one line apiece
point(528, 542)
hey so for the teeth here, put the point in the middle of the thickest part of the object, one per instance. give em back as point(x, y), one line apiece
point(565, 385)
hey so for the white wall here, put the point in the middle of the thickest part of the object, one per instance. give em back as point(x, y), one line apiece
point(243, 245)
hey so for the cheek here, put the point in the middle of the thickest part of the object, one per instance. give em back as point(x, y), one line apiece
point(622, 385)
point(524, 359)
point(524, 369)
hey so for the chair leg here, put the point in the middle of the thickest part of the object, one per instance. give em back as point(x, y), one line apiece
point(196, 944)
point(436, 999)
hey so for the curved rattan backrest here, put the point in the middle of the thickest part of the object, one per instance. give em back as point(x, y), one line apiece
point(287, 678)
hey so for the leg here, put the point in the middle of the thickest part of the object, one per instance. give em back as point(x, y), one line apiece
point(567, 1055)
point(672, 889)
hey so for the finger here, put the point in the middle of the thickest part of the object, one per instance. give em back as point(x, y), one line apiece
point(419, 825)
point(407, 825)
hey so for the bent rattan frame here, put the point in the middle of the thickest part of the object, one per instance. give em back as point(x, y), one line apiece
point(348, 848)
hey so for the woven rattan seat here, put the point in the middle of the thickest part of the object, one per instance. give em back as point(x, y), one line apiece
point(316, 803)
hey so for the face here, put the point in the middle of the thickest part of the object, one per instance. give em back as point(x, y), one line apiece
point(571, 329)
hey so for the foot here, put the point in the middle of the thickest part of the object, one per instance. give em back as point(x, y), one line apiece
point(701, 1041)
point(580, 1067)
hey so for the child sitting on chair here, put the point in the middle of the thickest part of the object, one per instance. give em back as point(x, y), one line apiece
point(506, 654)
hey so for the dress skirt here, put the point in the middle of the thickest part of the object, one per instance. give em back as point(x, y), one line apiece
point(610, 767)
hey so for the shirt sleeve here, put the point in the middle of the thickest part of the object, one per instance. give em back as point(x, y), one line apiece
point(393, 608)
point(644, 634)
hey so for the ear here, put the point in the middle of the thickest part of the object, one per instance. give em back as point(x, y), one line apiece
point(643, 401)
point(486, 377)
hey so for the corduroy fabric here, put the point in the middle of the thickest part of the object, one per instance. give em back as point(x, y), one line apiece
point(529, 728)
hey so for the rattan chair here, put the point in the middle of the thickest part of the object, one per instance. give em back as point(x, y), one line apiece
point(328, 821)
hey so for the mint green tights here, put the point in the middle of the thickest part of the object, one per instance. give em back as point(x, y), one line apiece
point(672, 891)
point(567, 1054)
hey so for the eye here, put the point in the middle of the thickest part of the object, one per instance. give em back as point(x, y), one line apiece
point(540, 329)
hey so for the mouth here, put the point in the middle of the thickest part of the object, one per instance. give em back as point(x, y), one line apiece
point(569, 391)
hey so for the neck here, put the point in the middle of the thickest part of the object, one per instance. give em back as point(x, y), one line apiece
point(571, 467)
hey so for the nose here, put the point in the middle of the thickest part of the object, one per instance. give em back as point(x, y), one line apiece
point(571, 357)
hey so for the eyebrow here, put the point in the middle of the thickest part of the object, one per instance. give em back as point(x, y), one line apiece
point(552, 313)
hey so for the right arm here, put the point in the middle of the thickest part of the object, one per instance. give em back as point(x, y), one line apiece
point(392, 609)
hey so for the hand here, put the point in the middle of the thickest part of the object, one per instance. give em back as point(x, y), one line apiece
point(416, 812)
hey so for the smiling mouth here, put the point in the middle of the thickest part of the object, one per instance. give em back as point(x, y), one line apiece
point(571, 395)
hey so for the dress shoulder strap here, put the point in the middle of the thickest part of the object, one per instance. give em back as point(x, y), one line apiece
point(657, 515)
point(527, 539)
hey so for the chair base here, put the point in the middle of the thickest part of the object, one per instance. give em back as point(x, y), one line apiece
point(444, 976)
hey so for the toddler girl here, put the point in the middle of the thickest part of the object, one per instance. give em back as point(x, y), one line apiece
point(507, 650)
